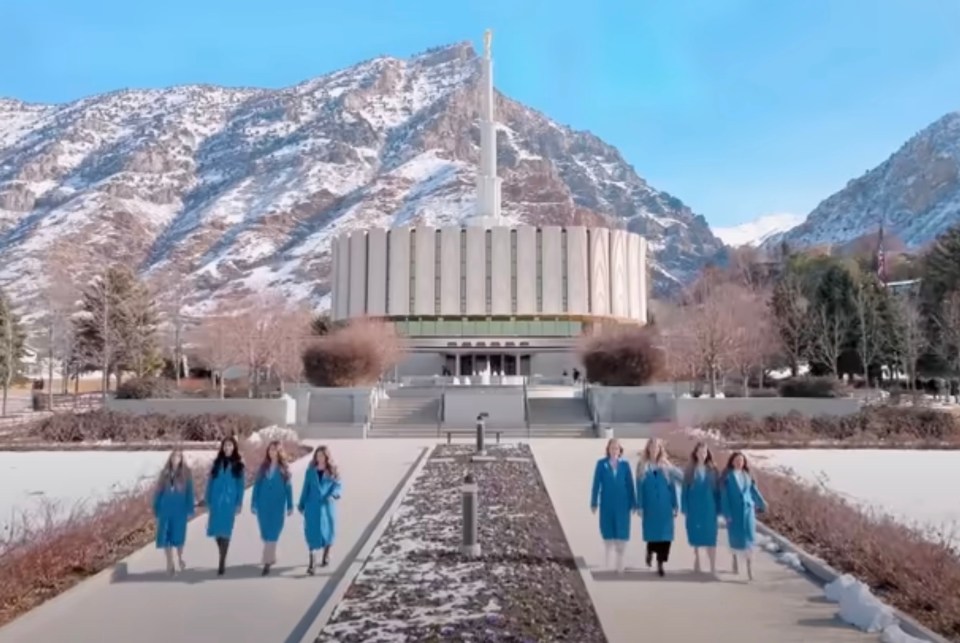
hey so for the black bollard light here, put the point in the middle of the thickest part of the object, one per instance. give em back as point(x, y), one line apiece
point(481, 429)
point(471, 540)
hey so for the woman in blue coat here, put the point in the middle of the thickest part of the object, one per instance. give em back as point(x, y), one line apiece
point(657, 502)
point(272, 500)
point(224, 497)
point(740, 500)
point(700, 504)
point(614, 494)
point(321, 487)
point(173, 507)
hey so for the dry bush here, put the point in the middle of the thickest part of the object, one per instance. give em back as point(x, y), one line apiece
point(41, 562)
point(145, 388)
point(357, 354)
point(622, 356)
point(888, 424)
point(904, 569)
point(123, 427)
point(819, 387)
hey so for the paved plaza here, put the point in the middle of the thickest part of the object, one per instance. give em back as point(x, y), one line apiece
point(140, 602)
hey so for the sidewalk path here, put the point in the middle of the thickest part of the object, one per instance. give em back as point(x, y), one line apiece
point(779, 606)
point(146, 605)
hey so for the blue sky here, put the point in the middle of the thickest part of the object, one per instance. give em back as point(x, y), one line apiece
point(738, 107)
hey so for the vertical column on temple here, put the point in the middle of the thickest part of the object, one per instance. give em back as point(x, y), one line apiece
point(488, 183)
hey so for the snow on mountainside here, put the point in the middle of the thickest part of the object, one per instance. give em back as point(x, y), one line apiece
point(916, 192)
point(756, 232)
point(242, 189)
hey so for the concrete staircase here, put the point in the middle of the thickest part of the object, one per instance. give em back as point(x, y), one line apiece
point(558, 411)
point(407, 413)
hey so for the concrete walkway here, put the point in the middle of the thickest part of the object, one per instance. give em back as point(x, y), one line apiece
point(143, 604)
point(779, 606)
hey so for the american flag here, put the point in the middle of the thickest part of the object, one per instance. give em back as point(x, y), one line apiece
point(881, 258)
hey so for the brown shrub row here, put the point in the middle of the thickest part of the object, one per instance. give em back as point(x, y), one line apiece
point(102, 424)
point(359, 353)
point(41, 563)
point(919, 577)
point(873, 423)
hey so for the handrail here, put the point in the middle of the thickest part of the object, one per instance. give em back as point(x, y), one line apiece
point(443, 390)
point(526, 407)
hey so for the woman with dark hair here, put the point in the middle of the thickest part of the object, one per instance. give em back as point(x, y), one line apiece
point(614, 494)
point(657, 502)
point(740, 500)
point(321, 487)
point(224, 496)
point(272, 500)
point(173, 506)
point(700, 504)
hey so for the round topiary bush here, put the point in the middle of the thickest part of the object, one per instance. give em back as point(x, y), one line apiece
point(145, 388)
point(352, 355)
point(623, 356)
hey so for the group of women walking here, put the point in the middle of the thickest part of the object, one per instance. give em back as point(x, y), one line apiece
point(705, 496)
point(271, 502)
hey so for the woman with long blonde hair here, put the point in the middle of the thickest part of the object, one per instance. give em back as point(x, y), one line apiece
point(614, 495)
point(272, 500)
point(173, 505)
point(321, 487)
point(657, 502)
point(700, 504)
point(740, 501)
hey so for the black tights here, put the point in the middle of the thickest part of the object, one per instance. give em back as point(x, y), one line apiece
point(223, 545)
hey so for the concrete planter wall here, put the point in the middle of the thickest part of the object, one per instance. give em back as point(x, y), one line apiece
point(694, 411)
point(330, 405)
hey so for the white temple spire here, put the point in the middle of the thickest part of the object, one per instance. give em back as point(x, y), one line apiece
point(488, 184)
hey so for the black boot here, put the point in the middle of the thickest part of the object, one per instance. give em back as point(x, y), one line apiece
point(326, 557)
point(266, 570)
point(310, 568)
point(660, 568)
point(222, 545)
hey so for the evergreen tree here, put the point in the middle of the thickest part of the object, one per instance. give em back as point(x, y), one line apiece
point(12, 348)
point(117, 329)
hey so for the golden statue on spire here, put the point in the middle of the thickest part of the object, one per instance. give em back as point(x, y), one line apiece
point(487, 40)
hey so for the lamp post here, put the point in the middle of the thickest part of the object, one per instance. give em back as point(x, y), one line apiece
point(471, 542)
point(481, 430)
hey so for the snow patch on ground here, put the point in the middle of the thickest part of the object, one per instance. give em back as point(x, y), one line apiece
point(860, 608)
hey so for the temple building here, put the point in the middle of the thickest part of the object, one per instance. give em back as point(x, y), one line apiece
point(486, 296)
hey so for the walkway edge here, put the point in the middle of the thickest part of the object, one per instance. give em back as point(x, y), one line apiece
point(350, 574)
point(582, 566)
point(823, 572)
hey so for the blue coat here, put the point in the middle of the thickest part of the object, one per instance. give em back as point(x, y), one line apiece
point(657, 502)
point(173, 507)
point(700, 504)
point(740, 499)
point(271, 499)
point(224, 497)
point(319, 509)
point(614, 493)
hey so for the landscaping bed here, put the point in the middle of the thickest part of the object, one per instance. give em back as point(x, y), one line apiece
point(884, 426)
point(902, 567)
point(416, 586)
point(39, 564)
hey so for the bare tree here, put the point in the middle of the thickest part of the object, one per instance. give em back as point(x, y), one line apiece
point(791, 320)
point(713, 326)
point(870, 326)
point(948, 327)
point(829, 330)
point(171, 289)
point(215, 340)
point(912, 336)
point(751, 332)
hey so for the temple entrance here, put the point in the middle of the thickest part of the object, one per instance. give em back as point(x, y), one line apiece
point(467, 364)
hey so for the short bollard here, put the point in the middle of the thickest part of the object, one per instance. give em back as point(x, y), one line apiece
point(471, 542)
point(481, 430)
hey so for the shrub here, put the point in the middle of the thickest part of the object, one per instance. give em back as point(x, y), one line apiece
point(811, 387)
point(622, 356)
point(123, 427)
point(145, 388)
point(920, 577)
point(41, 562)
point(356, 354)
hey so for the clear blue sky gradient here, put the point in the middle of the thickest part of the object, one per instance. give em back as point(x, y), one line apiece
point(738, 107)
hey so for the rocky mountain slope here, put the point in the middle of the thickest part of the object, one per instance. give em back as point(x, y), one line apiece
point(242, 189)
point(916, 192)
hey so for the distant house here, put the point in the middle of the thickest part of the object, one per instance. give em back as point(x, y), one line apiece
point(906, 287)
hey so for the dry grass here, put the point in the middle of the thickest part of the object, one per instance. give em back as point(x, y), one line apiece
point(42, 561)
point(102, 425)
point(903, 568)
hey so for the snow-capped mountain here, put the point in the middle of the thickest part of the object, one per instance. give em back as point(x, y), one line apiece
point(756, 232)
point(915, 193)
point(242, 189)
